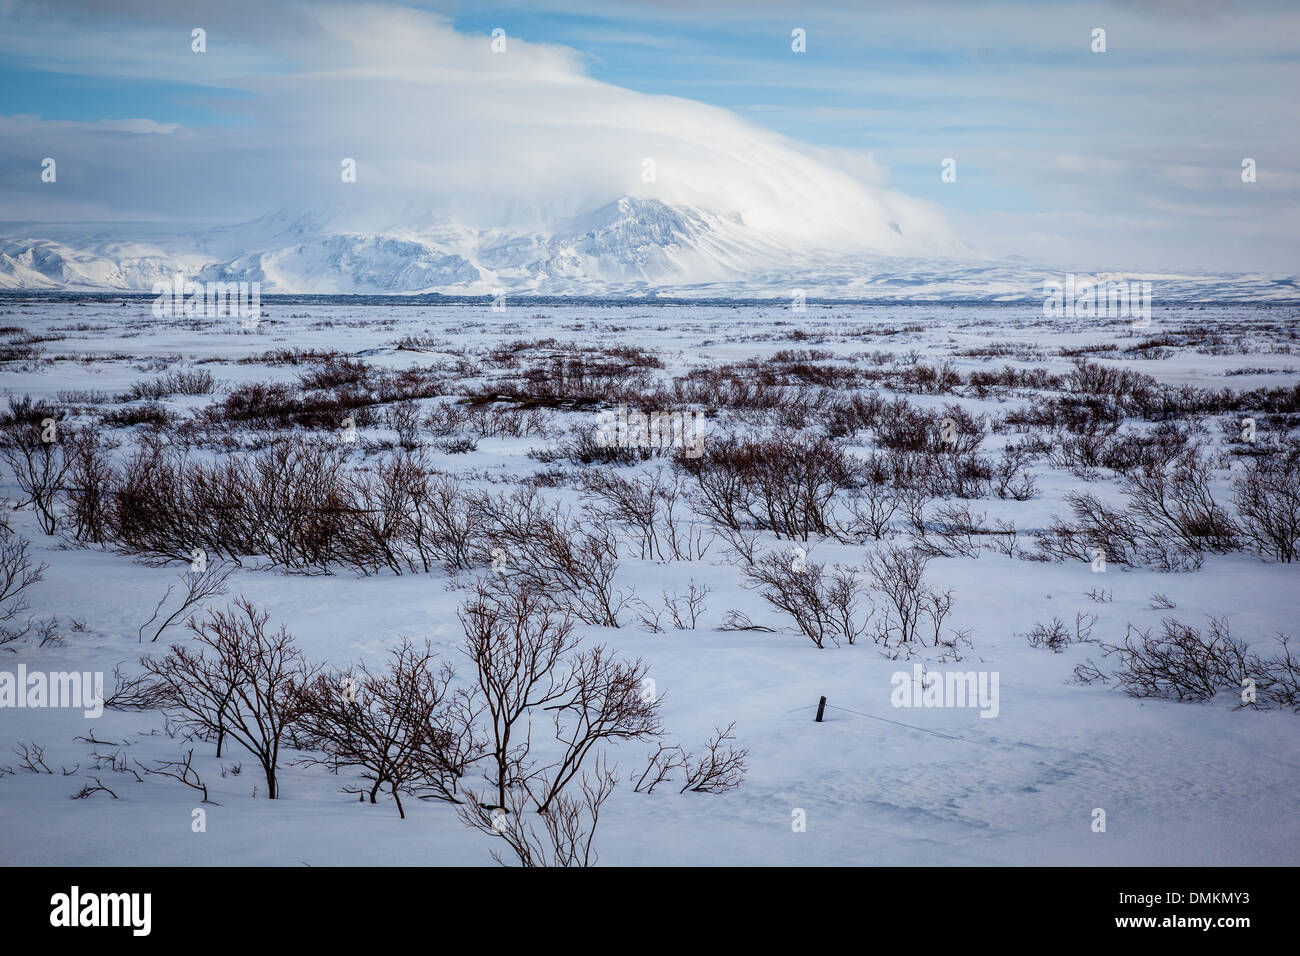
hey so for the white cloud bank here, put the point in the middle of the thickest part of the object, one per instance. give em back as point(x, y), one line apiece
point(440, 127)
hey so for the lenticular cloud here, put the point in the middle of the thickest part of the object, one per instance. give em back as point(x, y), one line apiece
point(444, 129)
point(498, 138)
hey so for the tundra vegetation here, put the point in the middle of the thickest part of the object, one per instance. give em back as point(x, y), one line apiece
point(847, 472)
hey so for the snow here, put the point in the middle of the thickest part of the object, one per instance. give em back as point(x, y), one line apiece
point(1181, 783)
point(623, 248)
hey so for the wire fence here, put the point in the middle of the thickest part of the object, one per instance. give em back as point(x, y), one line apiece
point(899, 723)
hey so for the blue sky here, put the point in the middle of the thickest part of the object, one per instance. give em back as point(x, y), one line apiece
point(741, 62)
point(1134, 153)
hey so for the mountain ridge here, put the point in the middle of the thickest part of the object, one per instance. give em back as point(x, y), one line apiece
point(629, 246)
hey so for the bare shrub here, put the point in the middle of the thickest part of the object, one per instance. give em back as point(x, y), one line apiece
point(86, 494)
point(293, 500)
point(1089, 673)
point(658, 769)
point(524, 658)
point(404, 516)
point(1057, 635)
point(153, 416)
point(741, 544)
point(913, 501)
point(404, 418)
point(446, 419)
point(277, 406)
point(823, 604)
point(1113, 534)
point(951, 531)
point(1183, 662)
point(1054, 636)
point(374, 516)
point(36, 447)
point(1282, 675)
point(177, 382)
point(734, 620)
point(1171, 521)
point(1011, 476)
point(491, 420)
point(404, 727)
point(515, 639)
point(31, 757)
point(146, 510)
point(723, 495)
point(587, 445)
point(1177, 504)
point(903, 427)
point(296, 504)
point(685, 609)
point(457, 445)
point(18, 572)
point(1080, 453)
point(446, 523)
point(244, 682)
point(551, 553)
point(88, 791)
point(336, 371)
point(1003, 537)
point(649, 508)
point(1154, 451)
point(198, 588)
point(719, 767)
point(870, 503)
point(561, 837)
point(898, 575)
point(140, 692)
point(46, 632)
point(605, 702)
point(285, 502)
point(1267, 497)
point(958, 476)
point(180, 770)
point(849, 414)
point(648, 616)
point(784, 484)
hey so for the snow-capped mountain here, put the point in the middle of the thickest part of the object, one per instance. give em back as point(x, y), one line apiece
point(630, 246)
point(347, 263)
point(627, 243)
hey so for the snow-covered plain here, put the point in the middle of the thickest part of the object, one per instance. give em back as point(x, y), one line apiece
point(1181, 783)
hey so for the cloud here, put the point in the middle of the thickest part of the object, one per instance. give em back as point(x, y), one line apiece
point(1135, 154)
point(441, 125)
